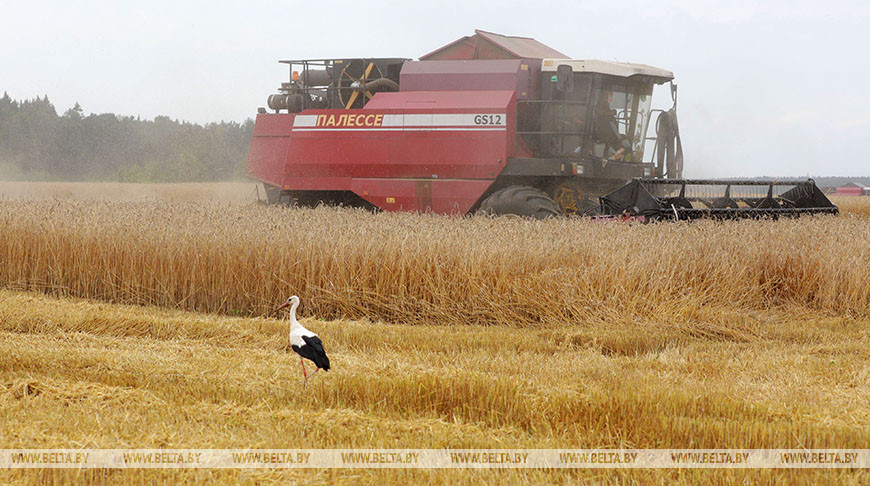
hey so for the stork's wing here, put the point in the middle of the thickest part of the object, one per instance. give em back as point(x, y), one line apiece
point(318, 353)
point(314, 342)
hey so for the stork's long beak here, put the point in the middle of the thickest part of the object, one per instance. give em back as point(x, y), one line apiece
point(285, 304)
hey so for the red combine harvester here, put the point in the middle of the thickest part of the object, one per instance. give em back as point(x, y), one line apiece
point(491, 123)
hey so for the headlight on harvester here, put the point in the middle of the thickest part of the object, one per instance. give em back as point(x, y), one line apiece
point(647, 171)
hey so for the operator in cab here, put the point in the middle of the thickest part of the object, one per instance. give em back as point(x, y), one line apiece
point(606, 131)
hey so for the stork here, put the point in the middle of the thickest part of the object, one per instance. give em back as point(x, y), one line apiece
point(304, 342)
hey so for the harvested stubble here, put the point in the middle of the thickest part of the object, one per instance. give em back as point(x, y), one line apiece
point(412, 268)
point(89, 374)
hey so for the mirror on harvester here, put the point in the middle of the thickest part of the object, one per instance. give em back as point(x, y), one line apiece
point(565, 78)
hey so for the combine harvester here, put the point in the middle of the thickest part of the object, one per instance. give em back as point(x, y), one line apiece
point(493, 124)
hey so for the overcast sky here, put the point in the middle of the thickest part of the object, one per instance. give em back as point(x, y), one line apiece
point(765, 87)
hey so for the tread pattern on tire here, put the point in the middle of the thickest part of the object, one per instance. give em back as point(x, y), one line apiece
point(521, 201)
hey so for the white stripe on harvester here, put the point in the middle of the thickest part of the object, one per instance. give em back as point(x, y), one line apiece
point(414, 129)
point(305, 120)
point(422, 120)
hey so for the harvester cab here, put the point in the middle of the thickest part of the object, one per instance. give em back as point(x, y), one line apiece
point(602, 110)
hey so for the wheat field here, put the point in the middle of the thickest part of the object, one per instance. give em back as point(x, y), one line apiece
point(853, 205)
point(244, 259)
point(230, 192)
point(141, 324)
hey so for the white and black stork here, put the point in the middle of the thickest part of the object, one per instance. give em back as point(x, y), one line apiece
point(304, 342)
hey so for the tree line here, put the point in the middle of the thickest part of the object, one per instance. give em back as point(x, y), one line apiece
point(38, 144)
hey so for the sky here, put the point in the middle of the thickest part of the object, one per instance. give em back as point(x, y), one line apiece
point(776, 88)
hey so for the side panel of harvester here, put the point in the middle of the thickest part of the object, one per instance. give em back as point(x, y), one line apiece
point(423, 150)
point(269, 145)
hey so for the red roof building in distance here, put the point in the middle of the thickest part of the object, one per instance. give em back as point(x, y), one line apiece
point(488, 45)
point(852, 189)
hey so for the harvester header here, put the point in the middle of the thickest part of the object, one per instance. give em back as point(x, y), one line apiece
point(684, 199)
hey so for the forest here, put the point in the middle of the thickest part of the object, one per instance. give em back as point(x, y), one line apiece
point(37, 144)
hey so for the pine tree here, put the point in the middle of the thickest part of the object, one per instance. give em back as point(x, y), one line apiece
point(75, 112)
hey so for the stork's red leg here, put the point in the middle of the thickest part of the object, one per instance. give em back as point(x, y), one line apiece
point(304, 373)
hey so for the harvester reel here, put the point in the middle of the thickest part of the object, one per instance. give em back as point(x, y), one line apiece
point(686, 199)
point(353, 77)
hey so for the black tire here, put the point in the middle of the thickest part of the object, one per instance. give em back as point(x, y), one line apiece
point(521, 201)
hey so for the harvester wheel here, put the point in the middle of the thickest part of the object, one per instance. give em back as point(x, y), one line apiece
point(521, 201)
